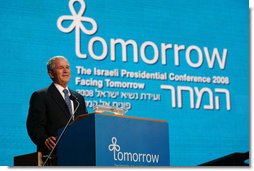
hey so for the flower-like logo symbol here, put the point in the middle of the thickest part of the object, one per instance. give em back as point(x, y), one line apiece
point(77, 19)
point(114, 147)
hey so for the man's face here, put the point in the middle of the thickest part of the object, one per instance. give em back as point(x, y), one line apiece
point(61, 74)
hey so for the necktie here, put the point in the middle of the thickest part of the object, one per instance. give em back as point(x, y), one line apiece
point(67, 99)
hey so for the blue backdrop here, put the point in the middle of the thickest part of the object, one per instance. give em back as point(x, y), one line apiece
point(184, 61)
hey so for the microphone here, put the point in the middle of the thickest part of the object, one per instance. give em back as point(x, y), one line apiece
point(74, 98)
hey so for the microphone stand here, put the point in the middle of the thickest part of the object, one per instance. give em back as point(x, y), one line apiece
point(72, 97)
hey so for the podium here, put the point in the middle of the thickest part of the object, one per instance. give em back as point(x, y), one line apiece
point(112, 140)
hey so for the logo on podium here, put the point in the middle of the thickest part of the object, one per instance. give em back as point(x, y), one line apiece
point(135, 157)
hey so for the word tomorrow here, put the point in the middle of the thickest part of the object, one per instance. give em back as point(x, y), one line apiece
point(130, 156)
point(148, 51)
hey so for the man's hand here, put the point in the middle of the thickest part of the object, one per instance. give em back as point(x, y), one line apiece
point(50, 142)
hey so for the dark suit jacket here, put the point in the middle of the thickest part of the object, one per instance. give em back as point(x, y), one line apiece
point(48, 112)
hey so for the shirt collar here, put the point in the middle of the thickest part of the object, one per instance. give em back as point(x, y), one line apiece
point(60, 88)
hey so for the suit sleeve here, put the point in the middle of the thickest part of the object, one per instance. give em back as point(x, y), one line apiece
point(81, 99)
point(84, 106)
point(37, 119)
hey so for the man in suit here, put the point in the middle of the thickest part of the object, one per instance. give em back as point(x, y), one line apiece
point(51, 108)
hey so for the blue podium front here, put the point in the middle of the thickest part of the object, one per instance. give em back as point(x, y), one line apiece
point(111, 140)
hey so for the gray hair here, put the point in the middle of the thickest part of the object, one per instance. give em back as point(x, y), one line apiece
point(51, 62)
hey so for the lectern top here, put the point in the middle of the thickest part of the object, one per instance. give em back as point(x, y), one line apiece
point(120, 116)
